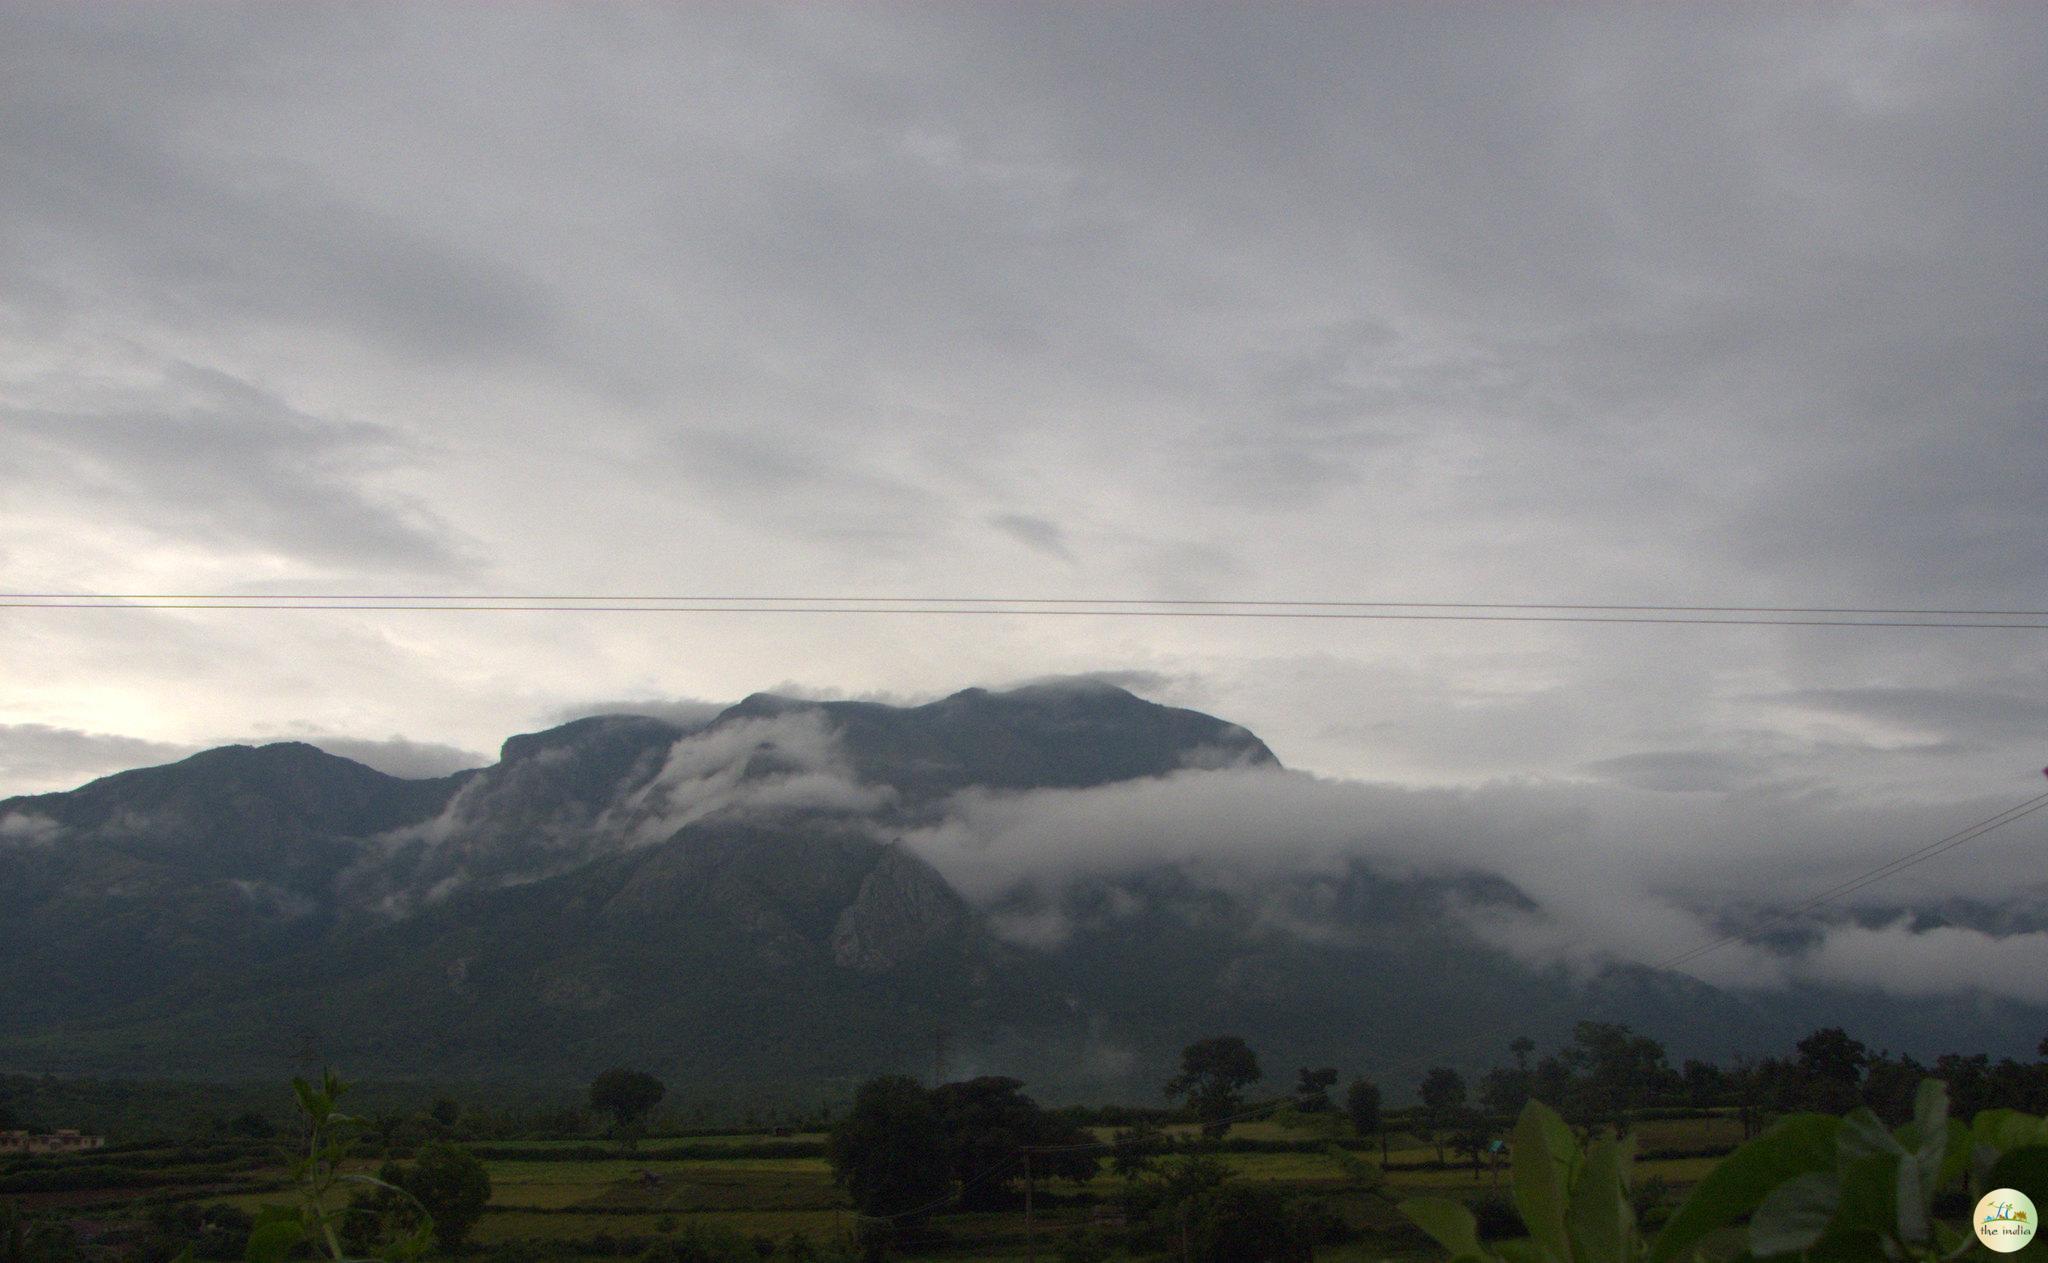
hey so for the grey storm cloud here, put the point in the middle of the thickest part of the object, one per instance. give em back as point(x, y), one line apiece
point(1713, 304)
point(1679, 770)
point(1635, 877)
point(1518, 283)
point(212, 461)
point(400, 756)
point(1130, 679)
point(108, 182)
point(1982, 714)
point(1039, 533)
point(38, 757)
point(684, 712)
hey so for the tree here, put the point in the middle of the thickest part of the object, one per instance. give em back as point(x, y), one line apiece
point(988, 1120)
point(1312, 1090)
point(451, 1185)
point(1890, 1086)
point(1830, 1054)
point(1521, 1046)
point(445, 1111)
point(1362, 1103)
point(1213, 1073)
point(1504, 1091)
point(1470, 1135)
point(1131, 1149)
point(626, 1095)
point(1204, 1216)
point(1551, 1080)
point(1442, 1090)
point(1624, 1069)
point(1705, 1083)
point(890, 1151)
point(1188, 1192)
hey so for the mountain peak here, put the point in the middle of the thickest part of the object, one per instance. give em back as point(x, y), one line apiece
point(767, 706)
point(634, 731)
point(283, 766)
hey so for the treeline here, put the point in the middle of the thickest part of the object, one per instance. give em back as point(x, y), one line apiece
point(1609, 1073)
point(156, 1112)
point(906, 1153)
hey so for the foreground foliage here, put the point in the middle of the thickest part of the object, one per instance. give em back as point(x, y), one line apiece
point(1814, 1188)
point(318, 1219)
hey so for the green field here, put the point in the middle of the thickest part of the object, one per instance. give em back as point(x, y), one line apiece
point(582, 1205)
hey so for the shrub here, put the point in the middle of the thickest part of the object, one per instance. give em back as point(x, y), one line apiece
point(1814, 1186)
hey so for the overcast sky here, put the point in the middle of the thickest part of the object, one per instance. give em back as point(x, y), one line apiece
point(1663, 304)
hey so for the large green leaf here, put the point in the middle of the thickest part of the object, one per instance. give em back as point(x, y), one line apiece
point(2008, 1129)
point(1870, 1195)
point(2024, 1169)
point(1930, 1107)
point(1911, 1201)
point(1928, 1137)
point(1599, 1219)
point(1447, 1222)
point(315, 1103)
point(1545, 1155)
point(1795, 1214)
point(1864, 1135)
point(271, 1242)
point(1843, 1246)
point(1957, 1159)
point(1800, 1145)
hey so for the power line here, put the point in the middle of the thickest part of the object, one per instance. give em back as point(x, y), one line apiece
point(1919, 855)
point(306, 604)
point(1180, 602)
point(1431, 611)
point(1898, 864)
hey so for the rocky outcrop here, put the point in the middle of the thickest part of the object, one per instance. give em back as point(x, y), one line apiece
point(903, 908)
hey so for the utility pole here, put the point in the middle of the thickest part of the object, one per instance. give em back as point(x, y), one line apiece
point(939, 1037)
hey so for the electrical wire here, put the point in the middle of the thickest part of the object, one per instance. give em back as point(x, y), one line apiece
point(1028, 600)
point(1433, 611)
point(1900, 864)
point(305, 604)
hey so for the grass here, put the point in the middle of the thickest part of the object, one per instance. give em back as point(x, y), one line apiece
point(571, 1200)
point(663, 1142)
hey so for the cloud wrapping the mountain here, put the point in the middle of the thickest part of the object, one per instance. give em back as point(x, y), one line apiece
point(399, 756)
point(1240, 817)
point(514, 826)
point(686, 713)
point(25, 829)
point(1614, 875)
point(789, 762)
point(1938, 961)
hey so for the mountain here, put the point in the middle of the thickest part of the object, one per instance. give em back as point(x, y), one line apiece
point(787, 892)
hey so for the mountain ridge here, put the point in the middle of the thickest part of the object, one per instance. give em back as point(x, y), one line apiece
point(753, 895)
